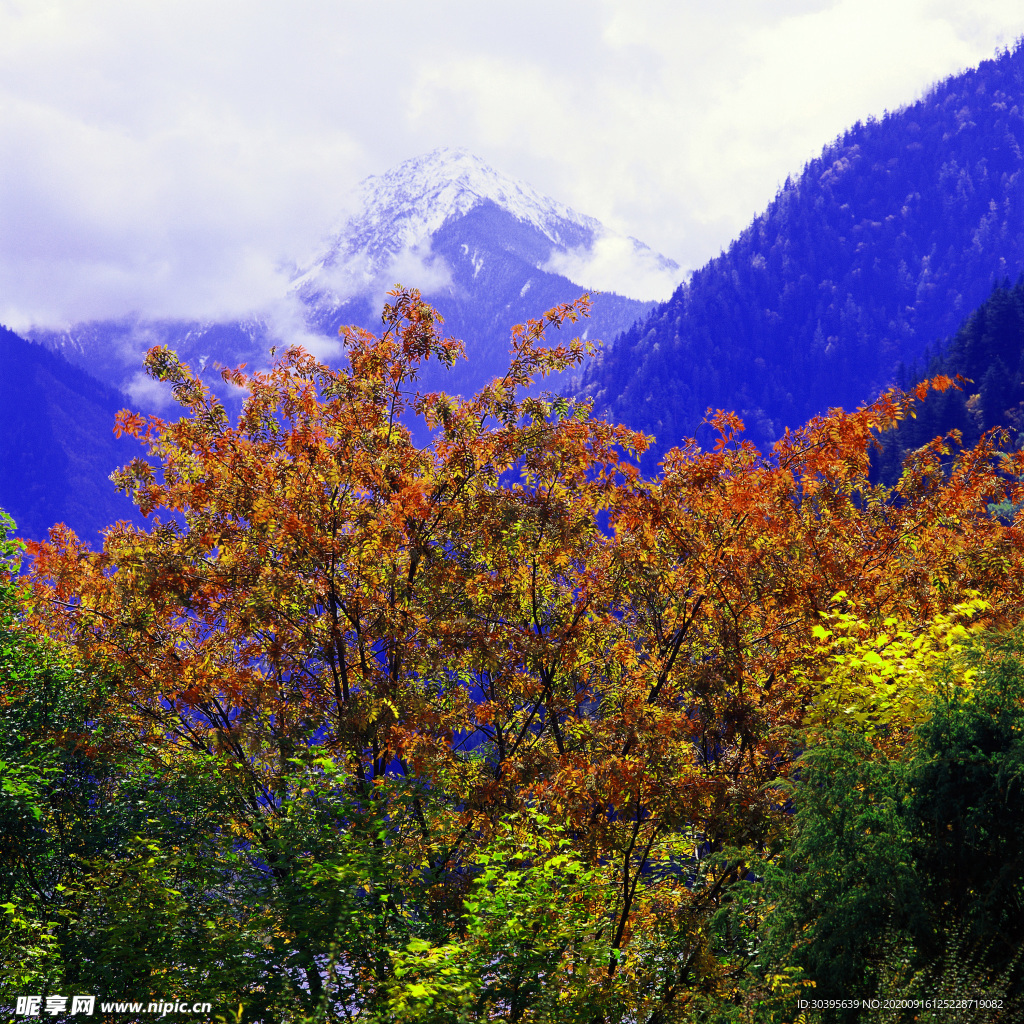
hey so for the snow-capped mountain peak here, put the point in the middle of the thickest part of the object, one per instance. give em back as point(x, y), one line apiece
point(400, 209)
point(487, 251)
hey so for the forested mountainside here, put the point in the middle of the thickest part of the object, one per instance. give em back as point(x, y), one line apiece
point(57, 447)
point(987, 350)
point(877, 250)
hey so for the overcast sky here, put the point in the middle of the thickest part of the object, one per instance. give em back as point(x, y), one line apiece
point(162, 155)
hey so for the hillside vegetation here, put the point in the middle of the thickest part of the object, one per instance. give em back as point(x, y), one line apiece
point(988, 353)
point(497, 729)
point(876, 251)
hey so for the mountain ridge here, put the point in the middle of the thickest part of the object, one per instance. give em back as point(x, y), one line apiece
point(877, 250)
point(432, 222)
point(57, 447)
point(418, 196)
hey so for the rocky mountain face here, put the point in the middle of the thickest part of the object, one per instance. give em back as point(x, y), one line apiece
point(479, 245)
point(877, 250)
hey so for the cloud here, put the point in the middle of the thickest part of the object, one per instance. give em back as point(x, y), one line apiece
point(416, 267)
point(618, 264)
point(153, 396)
point(138, 176)
point(166, 156)
point(188, 223)
point(356, 276)
point(687, 117)
point(287, 326)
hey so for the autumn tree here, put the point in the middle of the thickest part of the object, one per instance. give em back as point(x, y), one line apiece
point(390, 654)
point(111, 863)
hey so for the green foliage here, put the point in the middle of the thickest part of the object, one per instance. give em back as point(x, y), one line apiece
point(905, 873)
point(883, 680)
point(531, 936)
point(955, 987)
point(120, 874)
point(158, 895)
point(966, 805)
point(849, 869)
point(41, 697)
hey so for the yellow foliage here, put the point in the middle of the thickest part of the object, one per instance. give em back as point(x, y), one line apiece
point(881, 677)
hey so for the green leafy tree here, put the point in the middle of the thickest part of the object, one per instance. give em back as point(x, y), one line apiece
point(965, 807)
point(40, 698)
point(911, 860)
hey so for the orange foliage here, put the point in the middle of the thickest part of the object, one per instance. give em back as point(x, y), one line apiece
point(632, 655)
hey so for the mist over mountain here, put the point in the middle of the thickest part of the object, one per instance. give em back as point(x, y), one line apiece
point(876, 251)
point(488, 251)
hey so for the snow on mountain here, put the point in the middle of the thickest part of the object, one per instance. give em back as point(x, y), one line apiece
point(400, 212)
point(487, 250)
point(402, 208)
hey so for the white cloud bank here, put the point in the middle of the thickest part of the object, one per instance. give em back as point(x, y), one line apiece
point(615, 263)
point(354, 277)
point(162, 156)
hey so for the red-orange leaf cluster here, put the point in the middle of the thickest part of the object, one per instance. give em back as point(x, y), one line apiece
point(509, 613)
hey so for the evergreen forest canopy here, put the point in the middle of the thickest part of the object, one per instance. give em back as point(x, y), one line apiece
point(498, 728)
point(878, 250)
point(987, 352)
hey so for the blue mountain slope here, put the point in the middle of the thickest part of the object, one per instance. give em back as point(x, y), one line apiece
point(877, 250)
point(57, 448)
